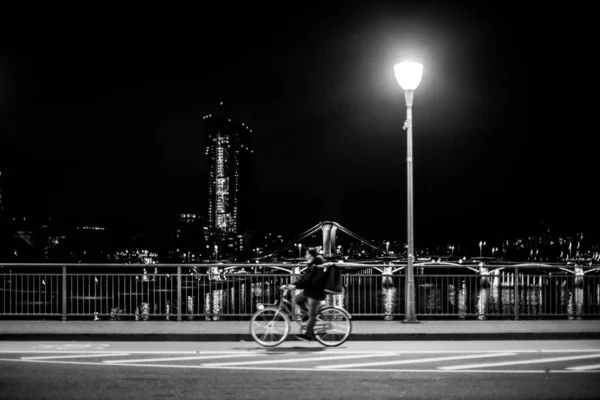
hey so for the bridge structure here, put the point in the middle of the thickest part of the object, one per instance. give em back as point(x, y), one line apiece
point(478, 287)
point(388, 264)
point(329, 231)
point(214, 291)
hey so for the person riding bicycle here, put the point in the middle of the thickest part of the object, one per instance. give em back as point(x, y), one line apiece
point(313, 283)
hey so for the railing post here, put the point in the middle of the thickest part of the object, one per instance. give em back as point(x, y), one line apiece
point(64, 293)
point(179, 293)
point(517, 301)
point(294, 270)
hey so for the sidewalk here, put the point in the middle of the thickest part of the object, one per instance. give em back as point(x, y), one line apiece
point(240, 330)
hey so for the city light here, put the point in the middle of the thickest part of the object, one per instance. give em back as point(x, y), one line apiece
point(409, 74)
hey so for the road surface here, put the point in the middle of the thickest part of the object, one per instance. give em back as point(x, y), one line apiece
point(294, 370)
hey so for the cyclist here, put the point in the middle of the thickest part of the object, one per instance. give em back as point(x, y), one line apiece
point(313, 283)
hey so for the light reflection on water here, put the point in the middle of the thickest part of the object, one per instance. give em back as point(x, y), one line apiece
point(537, 295)
point(389, 302)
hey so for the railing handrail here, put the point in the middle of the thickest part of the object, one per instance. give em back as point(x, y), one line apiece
point(176, 291)
point(351, 265)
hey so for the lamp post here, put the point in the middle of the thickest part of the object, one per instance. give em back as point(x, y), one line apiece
point(408, 74)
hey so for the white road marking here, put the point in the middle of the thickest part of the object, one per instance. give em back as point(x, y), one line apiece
point(585, 367)
point(75, 356)
point(179, 358)
point(540, 371)
point(317, 349)
point(291, 360)
point(68, 346)
point(124, 351)
point(536, 361)
point(418, 360)
point(468, 371)
point(568, 351)
point(566, 371)
point(55, 362)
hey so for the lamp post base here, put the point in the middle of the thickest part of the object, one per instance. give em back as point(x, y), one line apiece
point(410, 321)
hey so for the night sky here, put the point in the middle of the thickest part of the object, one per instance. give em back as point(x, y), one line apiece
point(101, 115)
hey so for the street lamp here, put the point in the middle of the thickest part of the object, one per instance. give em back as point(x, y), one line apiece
point(409, 74)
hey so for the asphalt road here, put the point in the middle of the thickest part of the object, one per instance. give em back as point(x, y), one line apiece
point(357, 370)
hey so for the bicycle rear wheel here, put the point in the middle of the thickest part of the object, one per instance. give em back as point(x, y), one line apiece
point(334, 326)
point(269, 327)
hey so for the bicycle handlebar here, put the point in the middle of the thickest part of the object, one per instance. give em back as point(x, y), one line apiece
point(285, 288)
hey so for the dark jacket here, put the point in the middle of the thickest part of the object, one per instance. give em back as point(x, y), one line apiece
point(313, 281)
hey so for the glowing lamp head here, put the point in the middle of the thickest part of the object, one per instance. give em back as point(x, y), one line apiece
point(408, 74)
point(260, 307)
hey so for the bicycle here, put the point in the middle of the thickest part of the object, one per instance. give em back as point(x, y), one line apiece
point(333, 326)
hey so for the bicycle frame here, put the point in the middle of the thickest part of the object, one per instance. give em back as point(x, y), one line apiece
point(284, 305)
point(286, 309)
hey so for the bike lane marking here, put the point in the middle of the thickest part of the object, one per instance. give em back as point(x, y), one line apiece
point(520, 362)
point(304, 369)
point(291, 360)
point(115, 351)
point(584, 367)
point(142, 360)
point(570, 351)
point(73, 346)
point(74, 356)
point(372, 370)
point(414, 361)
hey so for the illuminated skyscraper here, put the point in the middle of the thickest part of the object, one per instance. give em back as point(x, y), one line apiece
point(229, 154)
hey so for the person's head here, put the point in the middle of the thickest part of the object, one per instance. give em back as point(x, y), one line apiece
point(311, 254)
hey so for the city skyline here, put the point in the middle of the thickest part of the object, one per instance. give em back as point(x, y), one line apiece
point(112, 129)
point(183, 237)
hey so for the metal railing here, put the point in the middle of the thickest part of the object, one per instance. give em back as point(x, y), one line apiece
point(232, 291)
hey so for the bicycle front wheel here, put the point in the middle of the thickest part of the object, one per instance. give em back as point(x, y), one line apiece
point(333, 326)
point(269, 327)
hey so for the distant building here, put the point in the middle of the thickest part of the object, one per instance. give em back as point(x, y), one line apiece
point(186, 242)
point(189, 219)
point(546, 247)
point(230, 174)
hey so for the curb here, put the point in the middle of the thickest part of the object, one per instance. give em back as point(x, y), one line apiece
point(229, 337)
